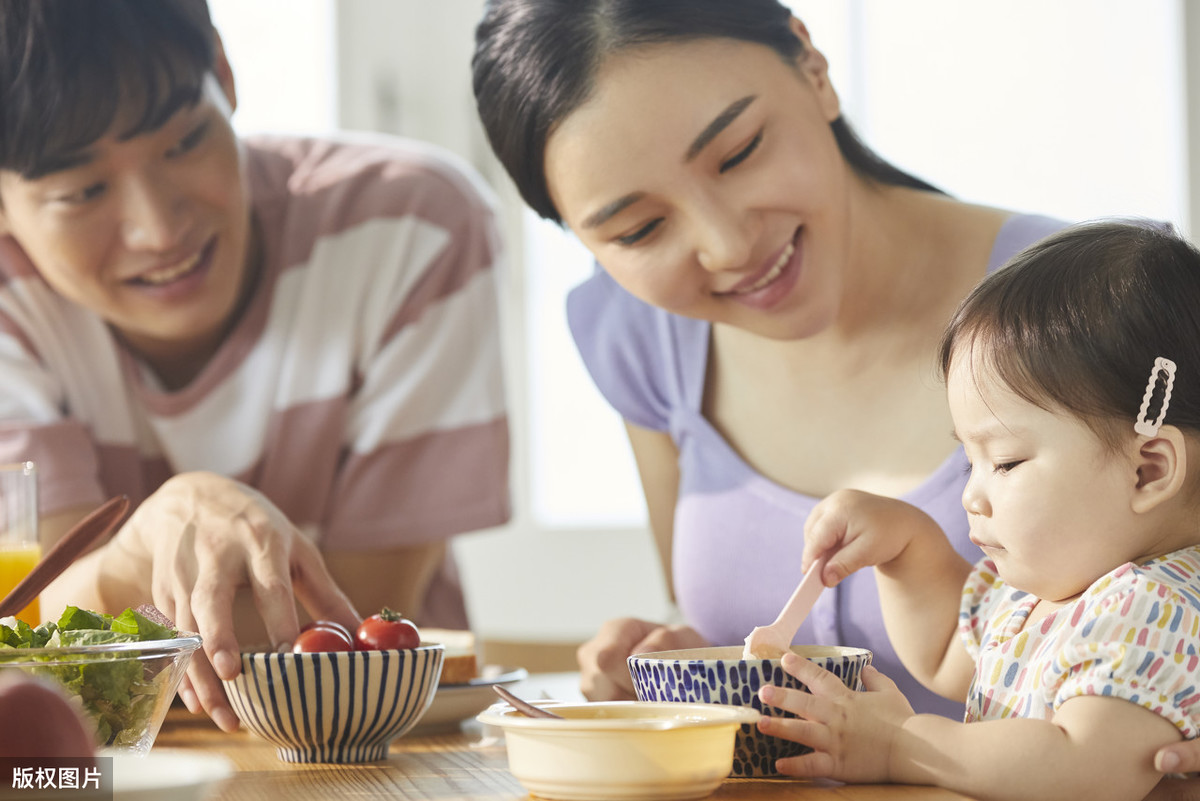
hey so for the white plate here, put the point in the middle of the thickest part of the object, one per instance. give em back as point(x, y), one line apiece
point(454, 703)
point(168, 775)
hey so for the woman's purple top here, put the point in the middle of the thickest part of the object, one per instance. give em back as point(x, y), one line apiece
point(738, 535)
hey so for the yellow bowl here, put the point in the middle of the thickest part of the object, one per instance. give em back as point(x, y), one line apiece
point(621, 749)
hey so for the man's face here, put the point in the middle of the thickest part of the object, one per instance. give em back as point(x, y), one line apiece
point(151, 233)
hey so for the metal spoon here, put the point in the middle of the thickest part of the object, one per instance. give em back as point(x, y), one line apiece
point(522, 706)
point(776, 639)
point(64, 552)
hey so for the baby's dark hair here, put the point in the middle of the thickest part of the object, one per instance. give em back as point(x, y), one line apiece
point(68, 68)
point(1075, 322)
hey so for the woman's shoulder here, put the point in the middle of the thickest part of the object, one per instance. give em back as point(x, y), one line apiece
point(1001, 232)
point(1018, 231)
point(644, 360)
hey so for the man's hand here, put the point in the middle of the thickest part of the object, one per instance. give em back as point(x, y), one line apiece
point(208, 536)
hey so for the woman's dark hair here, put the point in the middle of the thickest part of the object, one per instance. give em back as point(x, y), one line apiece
point(535, 62)
point(1076, 321)
point(69, 67)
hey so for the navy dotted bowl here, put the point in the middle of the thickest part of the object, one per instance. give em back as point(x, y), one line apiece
point(335, 706)
point(721, 676)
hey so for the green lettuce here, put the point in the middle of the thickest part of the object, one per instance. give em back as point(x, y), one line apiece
point(118, 692)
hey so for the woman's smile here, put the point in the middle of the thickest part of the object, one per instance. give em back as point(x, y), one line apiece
point(773, 281)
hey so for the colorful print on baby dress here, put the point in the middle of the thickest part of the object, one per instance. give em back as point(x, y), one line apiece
point(1134, 634)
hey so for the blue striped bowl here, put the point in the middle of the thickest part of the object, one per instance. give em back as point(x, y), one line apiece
point(335, 706)
point(721, 676)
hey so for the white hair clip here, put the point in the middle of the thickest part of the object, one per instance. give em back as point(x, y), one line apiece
point(1149, 428)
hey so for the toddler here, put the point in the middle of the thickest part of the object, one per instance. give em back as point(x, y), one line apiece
point(1073, 379)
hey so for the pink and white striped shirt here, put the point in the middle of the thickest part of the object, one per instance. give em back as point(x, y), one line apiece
point(361, 390)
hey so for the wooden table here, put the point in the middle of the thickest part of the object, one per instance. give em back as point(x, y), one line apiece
point(449, 766)
point(446, 767)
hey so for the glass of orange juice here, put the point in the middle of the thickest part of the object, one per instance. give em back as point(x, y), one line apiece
point(19, 549)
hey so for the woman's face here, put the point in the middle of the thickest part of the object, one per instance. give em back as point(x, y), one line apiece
point(705, 177)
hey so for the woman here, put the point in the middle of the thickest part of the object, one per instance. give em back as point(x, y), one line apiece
point(770, 303)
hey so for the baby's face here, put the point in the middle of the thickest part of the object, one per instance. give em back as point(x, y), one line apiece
point(1045, 499)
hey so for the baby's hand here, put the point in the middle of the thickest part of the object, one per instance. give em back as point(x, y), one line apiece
point(851, 733)
point(857, 529)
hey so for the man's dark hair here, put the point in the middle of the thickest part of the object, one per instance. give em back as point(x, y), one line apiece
point(72, 69)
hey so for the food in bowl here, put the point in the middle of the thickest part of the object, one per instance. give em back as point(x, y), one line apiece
point(385, 630)
point(461, 663)
point(120, 671)
point(621, 749)
point(720, 675)
point(323, 635)
point(335, 706)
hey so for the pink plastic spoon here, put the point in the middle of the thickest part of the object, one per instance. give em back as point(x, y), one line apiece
point(771, 642)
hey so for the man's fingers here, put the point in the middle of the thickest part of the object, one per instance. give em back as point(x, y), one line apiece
point(316, 590)
point(188, 695)
point(269, 575)
point(211, 608)
point(204, 689)
point(211, 693)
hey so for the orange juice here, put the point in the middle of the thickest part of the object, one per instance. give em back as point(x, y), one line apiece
point(15, 564)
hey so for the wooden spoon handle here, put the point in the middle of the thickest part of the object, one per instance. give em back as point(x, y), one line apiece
point(57, 559)
point(522, 706)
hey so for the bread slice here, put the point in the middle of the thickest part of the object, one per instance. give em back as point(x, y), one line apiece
point(460, 663)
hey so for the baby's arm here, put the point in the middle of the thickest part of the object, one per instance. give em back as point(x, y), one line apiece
point(1095, 747)
point(920, 578)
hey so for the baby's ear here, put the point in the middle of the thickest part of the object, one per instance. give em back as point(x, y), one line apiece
point(1161, 464)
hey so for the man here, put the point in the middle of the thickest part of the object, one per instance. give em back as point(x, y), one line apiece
point(285, 351)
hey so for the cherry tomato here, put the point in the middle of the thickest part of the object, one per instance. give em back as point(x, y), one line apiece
point(386, 630)
point(329, 624)
point(321, 636)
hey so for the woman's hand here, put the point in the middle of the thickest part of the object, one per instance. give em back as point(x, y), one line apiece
point(851, 733)
point(604, 673)
point(857, 529)
point(1182, 757)
point(208, 536)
